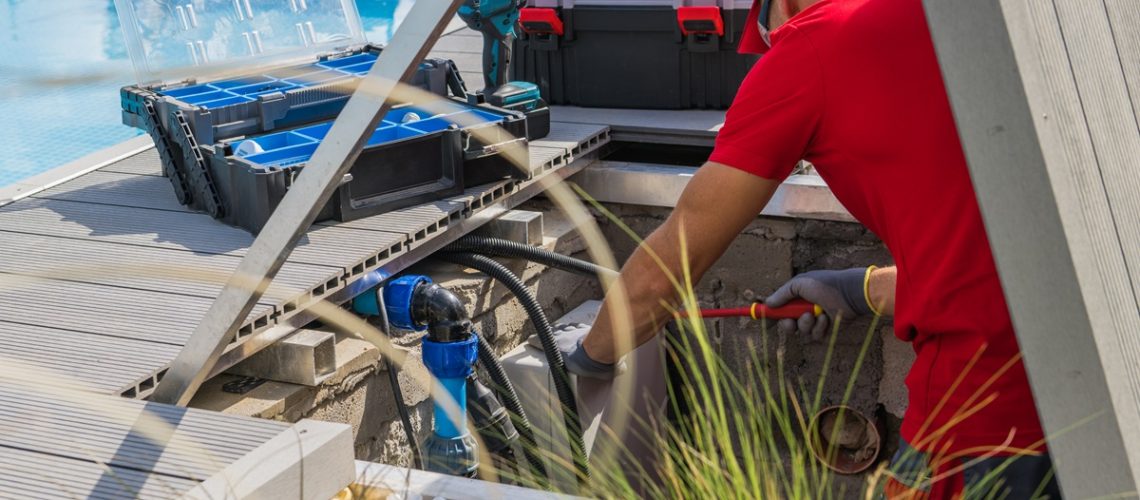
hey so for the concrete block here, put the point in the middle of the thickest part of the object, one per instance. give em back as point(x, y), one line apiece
point(306, 357)
point(522, 226)
point(288, 401)
point(897, 358)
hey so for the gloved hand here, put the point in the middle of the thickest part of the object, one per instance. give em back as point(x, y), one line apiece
point(841, 294)
point(568, 338)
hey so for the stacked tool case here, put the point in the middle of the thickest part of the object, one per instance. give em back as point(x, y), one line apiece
point(414, 156)
point(655, 54)
point(233, 145)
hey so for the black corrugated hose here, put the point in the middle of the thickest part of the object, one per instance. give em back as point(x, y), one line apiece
point(500, 247)
point(542, 326)
point(394, 380)
point(510, 399)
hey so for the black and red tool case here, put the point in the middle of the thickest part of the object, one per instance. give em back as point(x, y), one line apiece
point(654, 54)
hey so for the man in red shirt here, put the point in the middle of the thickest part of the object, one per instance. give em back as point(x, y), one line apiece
point(854, 87)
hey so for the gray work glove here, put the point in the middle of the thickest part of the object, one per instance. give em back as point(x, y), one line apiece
point(568, 338)
point(839, 293)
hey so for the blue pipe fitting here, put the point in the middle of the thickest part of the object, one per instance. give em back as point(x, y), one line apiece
point(451, 449)
point(363, 293)
point(450, 349)
point(451, 363)
point(451, 359)
point(398, 295)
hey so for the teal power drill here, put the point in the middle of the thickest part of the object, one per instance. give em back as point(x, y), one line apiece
point(496, 20)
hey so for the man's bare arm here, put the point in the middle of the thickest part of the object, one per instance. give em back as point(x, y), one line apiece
point(881, 290)
point(716, 205)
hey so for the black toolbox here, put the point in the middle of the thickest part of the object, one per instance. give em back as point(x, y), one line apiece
point(653, 54)
point(236, 104)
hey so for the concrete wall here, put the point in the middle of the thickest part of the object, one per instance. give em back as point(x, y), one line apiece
point(767, 253)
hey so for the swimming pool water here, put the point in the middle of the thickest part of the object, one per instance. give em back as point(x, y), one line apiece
point(62, 63)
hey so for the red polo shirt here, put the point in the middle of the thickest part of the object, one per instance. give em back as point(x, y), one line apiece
point(854, 87)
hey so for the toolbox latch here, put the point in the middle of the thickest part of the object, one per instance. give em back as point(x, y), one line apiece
point(700, 20)
point(540, 21)
point(702, 27)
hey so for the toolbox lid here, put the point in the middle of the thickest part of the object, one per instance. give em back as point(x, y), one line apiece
point(172, 40)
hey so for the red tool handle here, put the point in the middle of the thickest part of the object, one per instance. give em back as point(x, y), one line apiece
point(791, 310)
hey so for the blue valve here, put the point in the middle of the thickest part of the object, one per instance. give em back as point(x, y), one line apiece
point(450, 349)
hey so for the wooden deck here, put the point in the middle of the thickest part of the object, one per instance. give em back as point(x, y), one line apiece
point(104, 276)
point(60, 442)
point(107, 275)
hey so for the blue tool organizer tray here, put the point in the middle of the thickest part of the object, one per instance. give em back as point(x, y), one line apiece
point(248, 89)
point(412, 157)
point(237, 96)
point(279, 98)
point(198, 129)
point(185, 116)
point(296, 146)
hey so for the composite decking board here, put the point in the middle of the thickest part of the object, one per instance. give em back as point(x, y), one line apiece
point(1113, 129)
point(407, 221)
point(454, 44)
point(230, 438)
point(473, 80)
point(144, 163)
point(85, 426)
point(697, 123)
point(569, 136)
point(468, 62)
point(108, 422)
point(1123, 15)
point(111, 311)
point(144, 268)
point(329, 246)
point(111, 188)
point(109, 379)
point(27, 474)
point(104, 364)
point(1045, 101)
point(71, 363)
point(476, 198)
point(546, 155)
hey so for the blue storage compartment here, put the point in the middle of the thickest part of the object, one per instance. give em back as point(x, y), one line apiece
point(414, 156)
point(238, 95)
point(187, 118)
point(308, 55)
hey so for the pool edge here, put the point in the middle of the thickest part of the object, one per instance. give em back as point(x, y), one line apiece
point(70, 170)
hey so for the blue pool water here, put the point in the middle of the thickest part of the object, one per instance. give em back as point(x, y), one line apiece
point(62, 63)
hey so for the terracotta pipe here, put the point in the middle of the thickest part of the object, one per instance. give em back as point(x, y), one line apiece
point(844, 439)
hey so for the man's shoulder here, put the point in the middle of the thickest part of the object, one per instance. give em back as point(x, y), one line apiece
point(827, 18)
point(823, 15)
point(835, 27)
